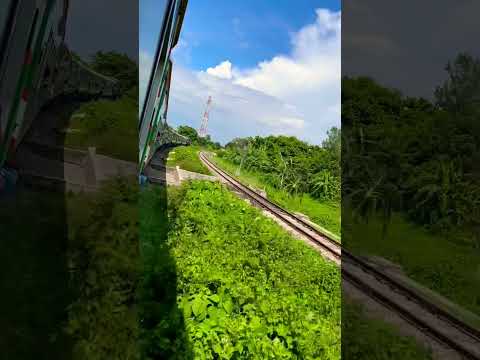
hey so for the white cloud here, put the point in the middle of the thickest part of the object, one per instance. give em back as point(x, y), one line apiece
point(236, 110)
point(294, 94)
point(313, 67)
point(182, 52)
point(223, 70)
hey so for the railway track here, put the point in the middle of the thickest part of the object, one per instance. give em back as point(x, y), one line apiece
point(427, 317)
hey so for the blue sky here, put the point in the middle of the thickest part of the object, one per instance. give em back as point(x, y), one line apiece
point(256, 55)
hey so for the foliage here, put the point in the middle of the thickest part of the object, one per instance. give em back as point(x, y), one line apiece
point(118, 66)
point(192, 134)
point(162, 330)
point(187, 158)
point(408, 159)
point(188, 132)
point(410, 155)
point(238, 275)
point(324, 213)
point(109, 125)
point(104, 267)
point(34, 284)
point(289, 164)
point(333, 143)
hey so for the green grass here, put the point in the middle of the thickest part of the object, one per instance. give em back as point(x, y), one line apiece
point(71, 261)
point(326, 215)
point(450, 267)
point(244, 287)
point(367, 338)
point(34, 284)
point(104, 269)
point(186, 157)
point(109, 125)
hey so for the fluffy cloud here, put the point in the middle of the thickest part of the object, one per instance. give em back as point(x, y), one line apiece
point(295, 94)
point(313, 65)
point(223, 70)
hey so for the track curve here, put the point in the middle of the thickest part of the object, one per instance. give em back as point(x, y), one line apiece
point(435, 322)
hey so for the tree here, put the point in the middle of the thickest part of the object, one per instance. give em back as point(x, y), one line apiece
point(118, 66)
point(333, 142)
point(462, 88)
point(188, 132)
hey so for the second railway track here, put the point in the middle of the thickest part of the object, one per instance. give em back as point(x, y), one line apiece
point(423, 314)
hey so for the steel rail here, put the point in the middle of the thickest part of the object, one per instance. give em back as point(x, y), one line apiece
point(338, 252)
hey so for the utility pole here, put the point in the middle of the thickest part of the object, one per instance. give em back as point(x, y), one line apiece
point(203, 129)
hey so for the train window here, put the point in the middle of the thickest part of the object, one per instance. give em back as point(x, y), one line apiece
point(150, 12)
point(161, 40)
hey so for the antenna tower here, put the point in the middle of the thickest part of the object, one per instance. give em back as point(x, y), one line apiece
point(203, 129)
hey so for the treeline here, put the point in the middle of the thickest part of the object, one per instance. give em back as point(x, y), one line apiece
point(192, 134)
point(119, 66)
point(290, 164)
point(411, 155)
point(116, 65)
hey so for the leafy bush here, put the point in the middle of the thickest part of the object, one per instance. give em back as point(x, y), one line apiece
point(104, 264)
point(192, 134)
point(116, 65)
point(289, 164)
point(415, 156)
point(244, 287)
point(109, 125)
point(323, 213)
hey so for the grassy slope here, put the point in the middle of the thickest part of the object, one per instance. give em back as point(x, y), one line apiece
point(326, 215)
point(451, 268)
point(34, 284)
point(426, 257)
point(71, 273)
point(238, 276)
point(365, 338)
point(244, 288)
point(186, 157)
point(109, 125)
point(104, 260)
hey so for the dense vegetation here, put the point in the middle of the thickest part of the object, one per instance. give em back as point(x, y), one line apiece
point(300, 177)
point(104, 266)
point(192, 134)
point(118, 66)
point(411, 159)
point(289, 164)
point(187, 158)
point(326, 214)
point(34, 281)
point(109, 125)
point(72, 265)
point(233, 277)
point(413, 156)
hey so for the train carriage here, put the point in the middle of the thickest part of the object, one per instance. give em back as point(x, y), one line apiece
point(36, 66)
point(32, 32)
point(154, 110)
